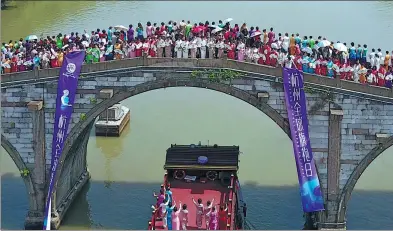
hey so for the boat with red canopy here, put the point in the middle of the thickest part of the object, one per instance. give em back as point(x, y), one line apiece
point(205, 172)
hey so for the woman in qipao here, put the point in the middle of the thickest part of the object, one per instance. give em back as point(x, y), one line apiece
point(214, 216)
point(168, 46)
point(381, 76)
point(231, 50)
point(169, 211)
point(330, 71)
point(199, 212)
point(183, 217)
point(176, 218)
point(389, 78)
point(240, 51)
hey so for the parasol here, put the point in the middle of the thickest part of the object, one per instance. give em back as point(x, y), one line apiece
point(218, 29)
point(85, 43)
point(228, 20)
point(307, 50)
point(340, 47)
point(31, 37)
point(324, 43)
point(120, 27)
point(255, 34)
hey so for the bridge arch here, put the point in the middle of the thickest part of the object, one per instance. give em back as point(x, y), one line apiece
point(357, 173)
point(121, 95)
point(16, 157)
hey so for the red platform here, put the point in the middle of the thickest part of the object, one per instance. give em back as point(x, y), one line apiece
point(184, 192)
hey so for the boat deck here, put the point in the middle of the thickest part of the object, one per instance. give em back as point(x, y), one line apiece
point(184, 192)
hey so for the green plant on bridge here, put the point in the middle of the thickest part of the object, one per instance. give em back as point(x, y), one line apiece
point(326, 97)
point(82, 117)
point(217, 76)
point(196, 74)
point(24, 172)
point(93, 100)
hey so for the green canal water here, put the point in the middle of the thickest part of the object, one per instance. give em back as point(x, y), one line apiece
point(126, 170)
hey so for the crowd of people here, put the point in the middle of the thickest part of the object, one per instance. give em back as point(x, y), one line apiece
point(205, 40)
point(176, 217)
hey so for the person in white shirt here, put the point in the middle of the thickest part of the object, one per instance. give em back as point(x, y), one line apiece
point(178, 48)
point(193, 47)
point(163, 211)
point(212, 47)
point(168, 46)
point(372, 58)
point(203, 45)
point(185, 48)
point(285, 43)
point(160, 46)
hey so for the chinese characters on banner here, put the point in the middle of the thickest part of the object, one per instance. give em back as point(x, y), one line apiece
point(295, 98)
point(67, 85)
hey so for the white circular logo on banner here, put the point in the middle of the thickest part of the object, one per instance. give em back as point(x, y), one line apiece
point(71, 68)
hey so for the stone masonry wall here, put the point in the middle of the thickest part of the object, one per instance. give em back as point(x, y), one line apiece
point(362, 120)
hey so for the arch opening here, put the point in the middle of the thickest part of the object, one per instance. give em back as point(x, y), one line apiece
point(361, 168)
point(229, 90)
point(11, 180)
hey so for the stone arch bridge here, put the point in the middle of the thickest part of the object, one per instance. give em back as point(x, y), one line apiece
point(350, 124)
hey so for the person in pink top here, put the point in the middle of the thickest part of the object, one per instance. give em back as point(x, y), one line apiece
point(176, 217)
point(209, 205)
point(199, 212)
point(213, 224)
point(149, 29)
point(271, 36)
point(183, 217)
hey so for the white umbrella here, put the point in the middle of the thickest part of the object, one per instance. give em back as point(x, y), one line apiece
point(216, 30)
point(324, 43)
point(31, 37)
point(307, 50)
point(274, 46)
point(228, 20)
point(85, 43)
point(255, 34)
point(120, 27)
point(340, 47)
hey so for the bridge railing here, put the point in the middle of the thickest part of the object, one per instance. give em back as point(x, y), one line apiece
point(39, 75)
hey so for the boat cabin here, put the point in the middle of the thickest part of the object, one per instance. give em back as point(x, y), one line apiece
point(203, 172)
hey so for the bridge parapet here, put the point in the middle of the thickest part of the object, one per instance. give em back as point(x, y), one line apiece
point(251, 68)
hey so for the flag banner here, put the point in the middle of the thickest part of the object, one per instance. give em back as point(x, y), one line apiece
point(66, 90)
point(310, 189)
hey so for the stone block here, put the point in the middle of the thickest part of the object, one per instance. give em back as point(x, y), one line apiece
point(106, 93)
point(360, 131)
point(381, 138)
point(35, 105)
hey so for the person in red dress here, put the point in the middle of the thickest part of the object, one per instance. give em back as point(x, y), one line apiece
point(231, 49)
point(222, 217)
point(318, 64)
point(273, 58)
point(14, 63)
point(153, 47)
point(381, 76)
point(138, 48)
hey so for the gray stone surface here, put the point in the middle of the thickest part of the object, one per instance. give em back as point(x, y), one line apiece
point(366, 121)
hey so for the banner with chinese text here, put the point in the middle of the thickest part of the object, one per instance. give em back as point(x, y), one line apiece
point(66, 89)
point(310, 189)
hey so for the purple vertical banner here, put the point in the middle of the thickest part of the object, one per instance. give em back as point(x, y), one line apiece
point(66, 89)
point(311, 194)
